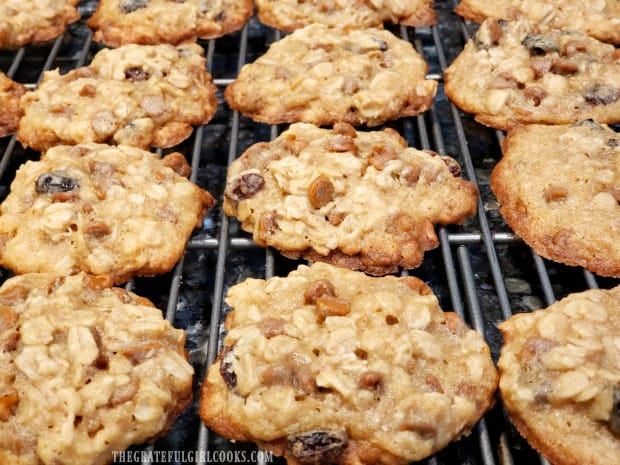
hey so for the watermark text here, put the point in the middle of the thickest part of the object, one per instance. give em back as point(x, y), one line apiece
point(182, 456)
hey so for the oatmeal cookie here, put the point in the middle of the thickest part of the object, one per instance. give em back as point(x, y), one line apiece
point(106, 210)
point(119, 22)
point(289, 15)
point(527, 74)
point(85, 370)
point(10, 93)
point(559, 189)
point(560, 378)
point(598, 18)
point(322, 75)
point(333, 363)
point(25, 22)
point(140, 95)
point(362, 200)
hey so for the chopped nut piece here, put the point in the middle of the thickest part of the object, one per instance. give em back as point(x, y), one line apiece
point(104, 124)
point(72, 196)
point(572, 47)
point(317, 289)
point(97, 229)
point(563, 67)
point(541, 66)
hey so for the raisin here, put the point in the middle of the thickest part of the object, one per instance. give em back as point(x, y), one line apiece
point(226, 369)
point(54, 182)
point(452, 165)
point(244, 186)
point(602, 94)
point(539, 44)
point(614, 415)
point(128, 6)
point(136, 74)
point(319, 447)
point(613, 143)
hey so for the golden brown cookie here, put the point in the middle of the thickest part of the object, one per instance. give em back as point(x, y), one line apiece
point(10, 93)
point(107, 210)
point(329, 365)
point(289, 15)
point(362, 200)
point(559, 189)
point(323, 75)
point(25, 22)
point(140, 95)
point(525, 74)
point(119, 22)
point(600, 18)
point(560, 378)
point(86, 370)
